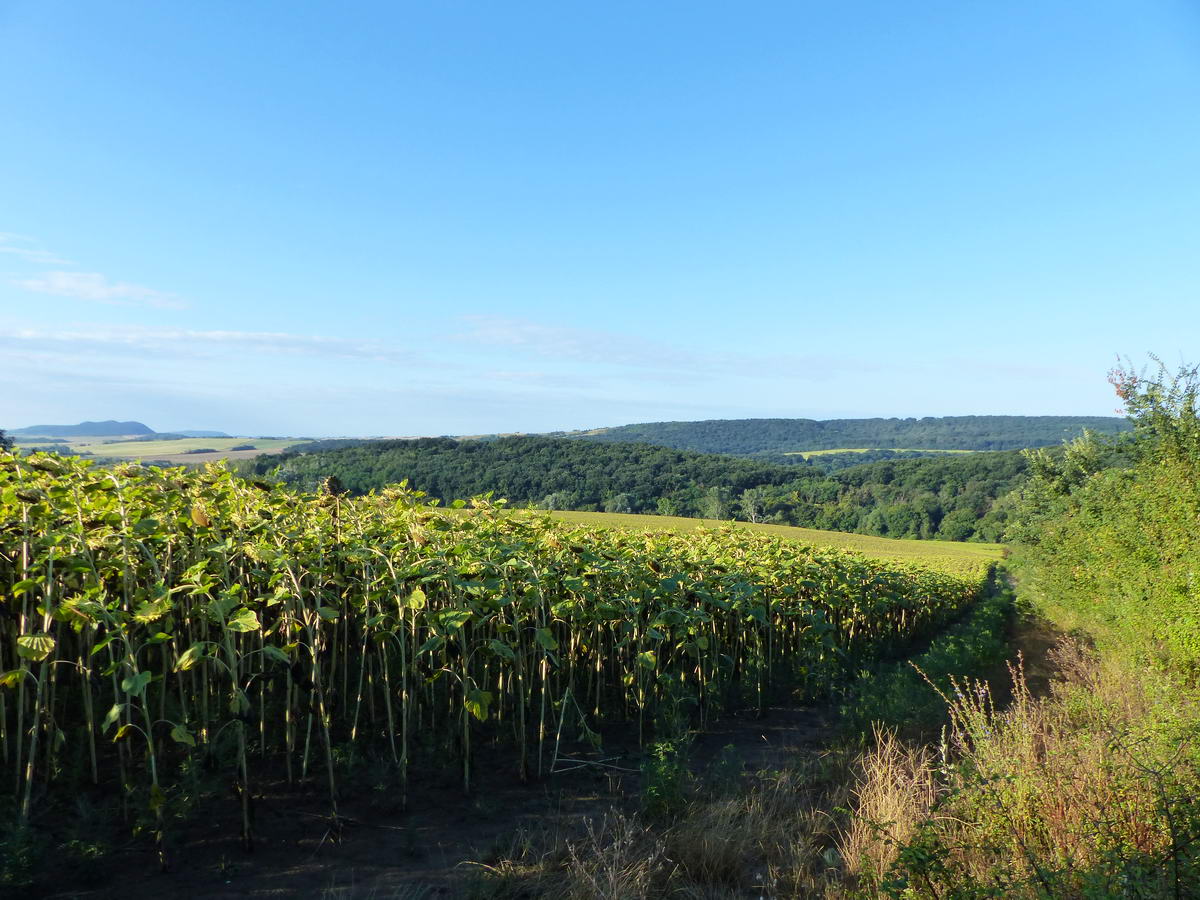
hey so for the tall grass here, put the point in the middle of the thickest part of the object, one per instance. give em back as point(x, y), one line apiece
point(1089, 791)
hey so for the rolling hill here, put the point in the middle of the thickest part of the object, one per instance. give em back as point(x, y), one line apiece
point(776, 437)
point(107, 428)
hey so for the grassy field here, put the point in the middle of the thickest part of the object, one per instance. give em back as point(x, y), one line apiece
point(175, 451)
point(950, 556)
point(807, 454)
point(170, 452)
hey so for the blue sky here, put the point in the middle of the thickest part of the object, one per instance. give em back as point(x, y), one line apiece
point(427, 218)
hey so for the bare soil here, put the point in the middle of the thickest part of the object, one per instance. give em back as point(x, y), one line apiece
point(429, 849)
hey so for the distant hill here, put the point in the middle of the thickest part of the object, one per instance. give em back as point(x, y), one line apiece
point(193, 432)
point(108, 428)
point(774, 437)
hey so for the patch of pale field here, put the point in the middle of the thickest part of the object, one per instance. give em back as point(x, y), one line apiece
point(810, 453)
point(179, 448)
point(192, 459)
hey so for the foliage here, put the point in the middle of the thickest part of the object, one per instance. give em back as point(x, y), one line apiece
point(161, 617)
point(1089, 792)
point(750, 437)
point(1108, 531)
point(907, 696)
point(665, 777)
point(6, 443)
point(955, 498)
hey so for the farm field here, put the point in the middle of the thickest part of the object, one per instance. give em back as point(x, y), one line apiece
point(175, 451)
point(949, 556)
point(160, 623)
point(809, 454)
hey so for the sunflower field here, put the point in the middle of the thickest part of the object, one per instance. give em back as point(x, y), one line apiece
point(154, 618)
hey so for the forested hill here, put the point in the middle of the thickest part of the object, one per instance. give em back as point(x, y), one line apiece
point(750, 437)
point(530, 469)
point(952, 497)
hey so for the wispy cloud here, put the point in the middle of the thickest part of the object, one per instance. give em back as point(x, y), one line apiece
point(96, 288)
point(26, 248)
point(662, 360)
point(188, 342)
point(577, 344)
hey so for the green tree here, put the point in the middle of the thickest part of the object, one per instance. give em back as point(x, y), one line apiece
point(618, 503)
point(715, 503)
point(755, 503)
point(6, 443)
point(667, 506)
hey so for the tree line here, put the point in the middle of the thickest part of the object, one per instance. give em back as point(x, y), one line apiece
point(753, 437)
point(950, 498)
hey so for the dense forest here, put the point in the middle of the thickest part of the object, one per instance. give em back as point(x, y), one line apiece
point(772, 437)
point(948, 497)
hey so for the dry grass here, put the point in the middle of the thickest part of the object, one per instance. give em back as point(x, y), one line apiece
point(1089, 789)
point(894, 793)
point(767, 837)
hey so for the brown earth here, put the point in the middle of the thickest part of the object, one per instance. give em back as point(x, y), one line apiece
point(428, 850)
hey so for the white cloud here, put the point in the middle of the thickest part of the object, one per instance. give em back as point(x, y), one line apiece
point(188, 342)
point(657, 360)
point(97, 288)
point(23, 248)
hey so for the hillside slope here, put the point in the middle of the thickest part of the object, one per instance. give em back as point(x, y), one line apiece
point(749, 437)
point(107, 428)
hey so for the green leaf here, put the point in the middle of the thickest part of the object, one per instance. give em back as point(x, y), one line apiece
point(22, 586)
point(189, 657)
point(102, 643)
point(152, 610)
point(135, 684)
point(477, 703)
point(243, 620)
point(113, 715)
point(11, 678)
point(416, 600)
point(546, 639)
point(328, 613)
point(221, 606)
point(272, 652)
point(451, 619)
point(183, 736)
point(35, 646)
point(502, 649)
point(647, 659)
point(434, 643)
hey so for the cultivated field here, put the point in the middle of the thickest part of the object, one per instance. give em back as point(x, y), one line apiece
point(808, 454)
point(173, 451)
point(171, 632)
point(949, 556)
